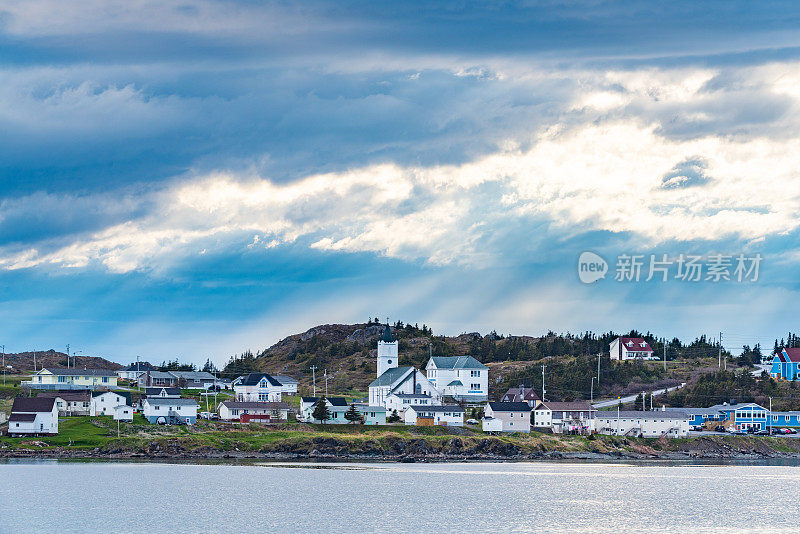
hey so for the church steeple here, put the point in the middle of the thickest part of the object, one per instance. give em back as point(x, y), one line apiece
point(387, 350)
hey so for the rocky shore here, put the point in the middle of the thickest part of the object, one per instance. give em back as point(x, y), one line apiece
point(421, 450)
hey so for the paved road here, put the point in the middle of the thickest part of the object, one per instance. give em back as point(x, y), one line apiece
point(631, 398)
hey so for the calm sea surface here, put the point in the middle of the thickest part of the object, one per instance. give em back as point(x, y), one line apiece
point(525, 497)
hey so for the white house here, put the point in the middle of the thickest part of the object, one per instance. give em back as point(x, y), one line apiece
point(34, 415)
point(561, 417)
point(70, 402)
point(262, 412)
point(400, 401)
point(169, 411)
point(654, 424)
point(258, 387)
point(133, 371)
point(460, 377)
point(450, 415)
point(507, 417)
point(630, 348)
point(106, 404)
point(288, 384)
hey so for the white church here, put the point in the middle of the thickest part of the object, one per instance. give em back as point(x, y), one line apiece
point(397, 388)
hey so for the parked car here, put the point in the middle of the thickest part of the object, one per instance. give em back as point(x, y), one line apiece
point(719, 428)
point(473, 422)
point(761, 433)
point(788, 431)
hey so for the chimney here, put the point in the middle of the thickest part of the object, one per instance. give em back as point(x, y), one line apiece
point(663, 408)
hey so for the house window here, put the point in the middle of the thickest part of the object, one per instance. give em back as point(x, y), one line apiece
point(62, 378)
point(105, 380)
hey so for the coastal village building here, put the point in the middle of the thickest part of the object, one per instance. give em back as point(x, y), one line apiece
point(507, 417)
point(157, 379)
point(449, 415)
point(254, 412)
point(133, 371)
point(400, 401)
point(653, 424)
point(521, 394)
point(335, 405)
point(163, 392)
point(564, 417)
point(72, 379)
point(169, 411)
point(258, 387)
point(33, 416)
point(630, 348)
point(193, 379)
point(107, 403)
point(393, 380)
point(786, 365)
point(288, 384)
point(70, 402)
point(462, 378)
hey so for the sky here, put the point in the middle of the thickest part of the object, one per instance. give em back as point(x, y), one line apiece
point(193, 179)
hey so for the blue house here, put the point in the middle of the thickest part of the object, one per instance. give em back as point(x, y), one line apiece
point(785, 420)
point(748, 416)
point(786, 364)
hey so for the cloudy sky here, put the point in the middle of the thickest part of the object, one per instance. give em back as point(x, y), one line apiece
point(196, 178)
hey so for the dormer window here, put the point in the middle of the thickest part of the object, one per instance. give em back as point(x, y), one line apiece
point(629, 343)
point(643, 344)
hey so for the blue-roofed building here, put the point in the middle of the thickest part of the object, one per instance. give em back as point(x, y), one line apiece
point(462, 378)
point(786, 364)
point(401, 380)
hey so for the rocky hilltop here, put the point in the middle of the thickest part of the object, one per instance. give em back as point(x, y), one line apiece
point(23, 361)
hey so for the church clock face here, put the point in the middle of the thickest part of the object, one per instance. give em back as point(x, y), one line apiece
point(389, 362)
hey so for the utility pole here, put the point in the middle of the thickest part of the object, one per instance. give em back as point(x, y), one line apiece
point(34, 361)
point(314, 378)
point(599, 354)
point(651, 401)
point(720, 350)
point(643, 397)
point(67, 355)
point(326, 383)
point(770, 416)
point(665, 354)
point(591, 392)
point(138, 374)
point(4, 365)
point(543, 390)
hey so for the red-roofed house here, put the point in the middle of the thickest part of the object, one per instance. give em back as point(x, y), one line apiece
point(630, 348)
point(786, 364)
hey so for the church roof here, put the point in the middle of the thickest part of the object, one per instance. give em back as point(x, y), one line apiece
point(387, 334)
point(390, 376)
point(457, 362)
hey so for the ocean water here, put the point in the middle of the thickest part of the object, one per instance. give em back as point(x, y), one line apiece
point(50, 496)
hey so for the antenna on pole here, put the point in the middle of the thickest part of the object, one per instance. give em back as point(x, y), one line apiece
point(543, 390)
point(314, 378)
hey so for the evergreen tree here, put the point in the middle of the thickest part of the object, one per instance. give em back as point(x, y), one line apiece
point(321, 412)
point(393, 417)
point(353, 415)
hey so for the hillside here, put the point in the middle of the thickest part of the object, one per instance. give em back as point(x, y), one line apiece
point(23, 361)
point(348, 354)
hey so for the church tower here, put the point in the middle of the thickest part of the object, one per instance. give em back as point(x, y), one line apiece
point(387, 351)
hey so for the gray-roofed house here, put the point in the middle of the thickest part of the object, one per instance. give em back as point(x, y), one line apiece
point(254, 412)
point(462, 378)
point(652, 424)
point(70, 401)
point(169, 411)
point(112, 403)
point(193, 379)
point(521, 394)
point(507, 417)
point(258, 387)
point(33, 416)
point(151, 378)
point(288, 384)
point(72, 379)
point(163, 392)
point(446, 415)
point(565, 417)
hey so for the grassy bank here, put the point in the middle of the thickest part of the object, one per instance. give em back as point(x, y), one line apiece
point(95, 436)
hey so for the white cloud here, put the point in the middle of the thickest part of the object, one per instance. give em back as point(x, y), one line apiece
point(599, 165)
